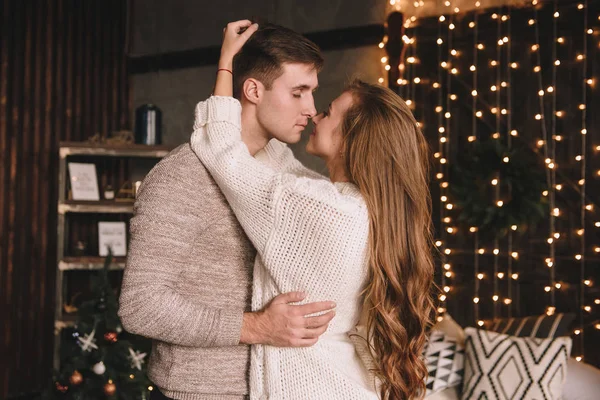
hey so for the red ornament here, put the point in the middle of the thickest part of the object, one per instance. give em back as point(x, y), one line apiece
point(61, 388)
point(110, 337)
point(76, 378)
point(110, 388)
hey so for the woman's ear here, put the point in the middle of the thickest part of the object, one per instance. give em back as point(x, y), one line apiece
point(252, 90)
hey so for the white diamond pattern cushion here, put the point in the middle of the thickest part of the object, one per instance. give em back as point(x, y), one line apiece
point(503, 367)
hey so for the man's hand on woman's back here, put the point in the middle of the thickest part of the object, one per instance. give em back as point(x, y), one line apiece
point(282, 324)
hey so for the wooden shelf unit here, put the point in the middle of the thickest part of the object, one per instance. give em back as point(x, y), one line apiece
point(65, 207)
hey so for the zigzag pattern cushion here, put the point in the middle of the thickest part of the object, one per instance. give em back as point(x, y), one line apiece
point(540, 326)
point(444, 357)
point(503, 367)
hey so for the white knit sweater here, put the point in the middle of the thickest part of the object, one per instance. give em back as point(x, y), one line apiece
point(311, 235)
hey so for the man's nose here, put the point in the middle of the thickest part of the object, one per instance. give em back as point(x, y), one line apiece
point(310, 110)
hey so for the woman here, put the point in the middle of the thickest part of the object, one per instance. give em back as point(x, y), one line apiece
point(361, 238)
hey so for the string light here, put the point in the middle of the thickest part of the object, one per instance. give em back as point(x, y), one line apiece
point(582, 181)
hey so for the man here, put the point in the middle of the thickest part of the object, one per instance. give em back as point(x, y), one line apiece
point(188, 276)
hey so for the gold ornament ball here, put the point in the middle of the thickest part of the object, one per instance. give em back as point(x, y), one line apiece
point(110, 388)
point(76, 378)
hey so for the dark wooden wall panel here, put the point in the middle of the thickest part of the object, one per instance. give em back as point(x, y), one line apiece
point(63, 76)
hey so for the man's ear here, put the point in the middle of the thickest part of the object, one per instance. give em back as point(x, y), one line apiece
point(253, 90)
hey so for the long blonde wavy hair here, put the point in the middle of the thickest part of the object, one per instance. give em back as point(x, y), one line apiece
point(388, 158)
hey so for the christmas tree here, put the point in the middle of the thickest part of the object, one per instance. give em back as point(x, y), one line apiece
point(98, 359)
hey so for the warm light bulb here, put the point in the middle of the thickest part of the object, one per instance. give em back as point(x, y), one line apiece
point(515, 276)
point(475, 300)
point(514, 255)
point(474, 93)
point(587, 282)
point(481, 251)
point(547, 288)
point(480, 323)
point(383, 60)
point(494, 181)
point(446, 289)
point(480, 276)
point(496, 251)
point(472, 68)
point(507, 301)
point(500, 275)
point(495, 297)
point(514, 227)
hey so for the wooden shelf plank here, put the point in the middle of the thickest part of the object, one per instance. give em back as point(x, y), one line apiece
point(89, 263)
point(130, 150)
point(103, 206)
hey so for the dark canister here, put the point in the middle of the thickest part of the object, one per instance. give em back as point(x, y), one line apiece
point(148, 122)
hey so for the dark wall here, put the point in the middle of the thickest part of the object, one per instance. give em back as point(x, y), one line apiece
point(62, 77)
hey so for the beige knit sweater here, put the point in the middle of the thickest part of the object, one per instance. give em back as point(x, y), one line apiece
point(187, 280)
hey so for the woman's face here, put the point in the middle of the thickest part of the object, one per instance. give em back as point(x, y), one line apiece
point(326, 139)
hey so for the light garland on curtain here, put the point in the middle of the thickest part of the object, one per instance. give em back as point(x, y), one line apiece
point(409, 82)
point(543, 143)
point(473, 68)
point(440, 155)
point(583, 107)
point(511, 254)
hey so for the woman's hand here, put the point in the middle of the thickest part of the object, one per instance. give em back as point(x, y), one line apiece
point(235, 35)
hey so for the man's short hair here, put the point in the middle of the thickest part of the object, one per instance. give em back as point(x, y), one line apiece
point(263, 56)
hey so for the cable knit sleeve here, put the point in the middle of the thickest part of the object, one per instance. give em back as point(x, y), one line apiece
point(295, 222)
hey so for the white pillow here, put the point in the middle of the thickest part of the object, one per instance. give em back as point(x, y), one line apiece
point(583, 381)
point(445, 361)
point(450, 328)
point(502, 367)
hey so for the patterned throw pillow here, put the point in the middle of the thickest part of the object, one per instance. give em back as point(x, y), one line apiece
point(503, 367)
point(540, 326)
point(444, 357)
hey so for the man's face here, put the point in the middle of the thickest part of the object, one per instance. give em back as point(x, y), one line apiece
point(284, 111)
